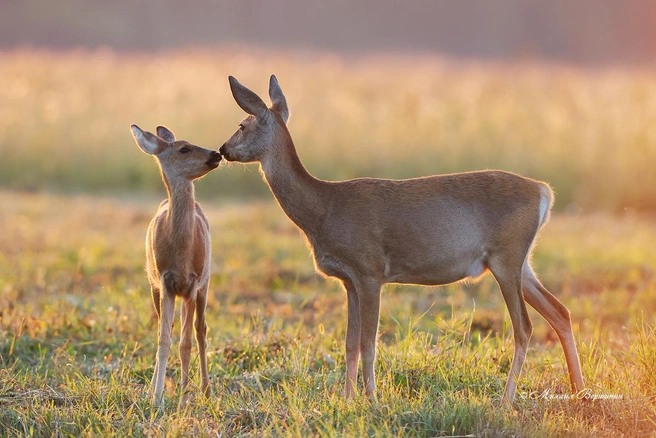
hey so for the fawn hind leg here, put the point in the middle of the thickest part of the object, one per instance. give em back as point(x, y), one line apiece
point(201, 339)
point(187, 317)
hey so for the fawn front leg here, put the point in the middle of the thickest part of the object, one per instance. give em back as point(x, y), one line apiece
point(164, 346)
point(154, 292)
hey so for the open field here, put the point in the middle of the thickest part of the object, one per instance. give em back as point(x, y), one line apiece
point(77, 328)
point(64, 120)
point(77, 332)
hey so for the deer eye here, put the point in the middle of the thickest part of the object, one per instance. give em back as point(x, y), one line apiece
point(241, 127)
point(185, 150)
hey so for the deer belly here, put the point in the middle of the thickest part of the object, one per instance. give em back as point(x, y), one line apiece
point(180, 285)
point(437, 271)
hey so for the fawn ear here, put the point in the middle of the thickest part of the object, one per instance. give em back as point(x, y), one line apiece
point(165, 134)
point(247, 100)
point(149, 143)
point(278, 99)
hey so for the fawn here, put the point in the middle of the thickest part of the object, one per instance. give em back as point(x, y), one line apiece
point(431, 231)
point(178, 252)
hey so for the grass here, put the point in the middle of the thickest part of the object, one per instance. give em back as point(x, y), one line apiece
point(64, 120)
point(77, 332)
point(77, 328)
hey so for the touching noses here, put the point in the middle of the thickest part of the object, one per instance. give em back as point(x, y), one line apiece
point(215, 159)
point(224, 153)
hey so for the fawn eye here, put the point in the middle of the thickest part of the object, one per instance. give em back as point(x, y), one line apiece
point(185, 150)
point(241, 127)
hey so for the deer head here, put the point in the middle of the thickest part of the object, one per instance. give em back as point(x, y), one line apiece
point(256, 136)
point(176, 158)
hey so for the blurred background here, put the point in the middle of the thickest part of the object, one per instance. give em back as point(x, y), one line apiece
point(561, 91)
point(589, 32)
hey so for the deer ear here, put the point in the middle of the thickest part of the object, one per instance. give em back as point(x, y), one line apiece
point(247, 100)
point(278, 99)
point(165, 134)
point(147, 142)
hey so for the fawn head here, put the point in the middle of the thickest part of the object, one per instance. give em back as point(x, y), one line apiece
point(176, 158)
point(255, 137)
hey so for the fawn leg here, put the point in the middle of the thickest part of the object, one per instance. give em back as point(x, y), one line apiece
point(164, 345)
point(187, 317)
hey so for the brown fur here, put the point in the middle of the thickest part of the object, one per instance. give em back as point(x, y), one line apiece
point(431, 231)
point(178, 252)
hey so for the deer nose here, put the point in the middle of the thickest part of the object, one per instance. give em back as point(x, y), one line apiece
point(222, 149)
point(215, 159)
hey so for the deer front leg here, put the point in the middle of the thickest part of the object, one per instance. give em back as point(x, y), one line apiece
point(352, 340)
point(369, 316)
point(164, 346)
point(187, 317)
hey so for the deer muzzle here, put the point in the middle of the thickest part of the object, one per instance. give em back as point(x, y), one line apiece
point(215, 159)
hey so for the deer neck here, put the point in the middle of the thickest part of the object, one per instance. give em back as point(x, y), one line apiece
point(301, 196)
point(182, 211)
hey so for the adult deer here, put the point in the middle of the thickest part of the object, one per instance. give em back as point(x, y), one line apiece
point(178, 252)
point(431, 231)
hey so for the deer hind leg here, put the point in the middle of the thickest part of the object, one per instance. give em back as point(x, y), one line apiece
point(558, 317)
point(353, 330)
point(369, 297)
point(510, 283)
point(154, 292)
point(186, 317)
point(201, 339)
point(164, 345)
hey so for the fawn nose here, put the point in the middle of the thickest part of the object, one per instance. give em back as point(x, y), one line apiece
point(215, 159)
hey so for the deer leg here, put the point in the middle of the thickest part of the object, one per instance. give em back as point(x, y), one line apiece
point(511, 289)
point(558, 317)
point(352, 339)
point(156, 302)
point(369, 316)
point(201, 339)
point(154, 292)
point(187, 317)
point(164, 345)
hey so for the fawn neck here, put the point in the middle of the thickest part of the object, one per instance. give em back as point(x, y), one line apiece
point(182, 210)
point(300, 195)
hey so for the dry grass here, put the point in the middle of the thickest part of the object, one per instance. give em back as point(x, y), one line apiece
point(77, 333)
